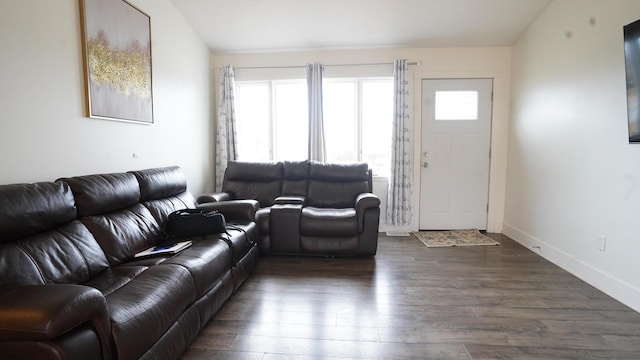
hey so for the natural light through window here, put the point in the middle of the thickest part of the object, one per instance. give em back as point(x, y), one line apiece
point(291, 125)
point(358, 114)
point(272, 120)
point(377, 115)
point(456, 105)
point(340, 120)
point(252, 123)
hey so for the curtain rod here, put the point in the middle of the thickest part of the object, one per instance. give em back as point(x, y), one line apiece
point(418, 63)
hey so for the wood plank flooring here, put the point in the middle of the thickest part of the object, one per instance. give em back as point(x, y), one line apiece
point(414, 302)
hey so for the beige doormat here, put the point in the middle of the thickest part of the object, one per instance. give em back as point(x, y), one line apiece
point(470, 237)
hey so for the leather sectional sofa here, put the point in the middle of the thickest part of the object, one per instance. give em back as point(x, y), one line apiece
point(70, 287)
point(307, 208)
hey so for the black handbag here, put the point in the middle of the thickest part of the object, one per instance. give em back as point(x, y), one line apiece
point(195, 222)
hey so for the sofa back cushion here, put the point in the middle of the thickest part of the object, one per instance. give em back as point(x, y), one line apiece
point(41, 242)
point(163, 191)
point(253, 180)
point(160, 183)
point(29, 209)
point(337, 185)
point(296, 178)
point(100, 194)
point(109, 206)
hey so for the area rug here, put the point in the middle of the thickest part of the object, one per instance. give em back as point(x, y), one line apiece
point(472, 237)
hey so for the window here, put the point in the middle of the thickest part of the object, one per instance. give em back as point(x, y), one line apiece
point(272, 120)
point(456, 105)
point(357, 121)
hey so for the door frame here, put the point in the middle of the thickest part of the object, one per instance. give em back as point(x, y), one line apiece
point(499, 134)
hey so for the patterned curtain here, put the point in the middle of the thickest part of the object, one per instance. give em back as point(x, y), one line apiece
point(317, 149)
point(399, 196)
point(226, 137)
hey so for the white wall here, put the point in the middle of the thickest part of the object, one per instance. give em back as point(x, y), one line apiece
point(572, 176)
point(434, 63)
point(44, 131)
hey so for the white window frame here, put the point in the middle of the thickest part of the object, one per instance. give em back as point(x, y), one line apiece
point(359, 80)
point(359, 110)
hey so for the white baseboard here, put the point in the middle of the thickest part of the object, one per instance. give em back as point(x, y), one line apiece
point(494, 227)
point(610, 285)
point(397, 233)
point(395, 230)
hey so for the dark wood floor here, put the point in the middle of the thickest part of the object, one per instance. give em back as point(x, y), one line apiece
point(414, 302)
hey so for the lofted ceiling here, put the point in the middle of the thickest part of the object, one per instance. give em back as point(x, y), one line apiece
point(230, 26)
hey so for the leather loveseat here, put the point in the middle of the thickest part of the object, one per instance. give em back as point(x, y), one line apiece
point(307, 208)
point(70, 287)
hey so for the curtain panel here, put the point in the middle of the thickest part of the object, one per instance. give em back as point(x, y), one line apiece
point(317, 149)
point(400, 192)
point(226, 136)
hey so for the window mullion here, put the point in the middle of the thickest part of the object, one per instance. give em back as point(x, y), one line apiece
point(359, 120)
point(272, 121)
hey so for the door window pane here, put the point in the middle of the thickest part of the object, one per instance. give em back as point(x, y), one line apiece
point(456, 105)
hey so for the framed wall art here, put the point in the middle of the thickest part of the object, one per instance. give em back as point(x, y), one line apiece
point(116, 40)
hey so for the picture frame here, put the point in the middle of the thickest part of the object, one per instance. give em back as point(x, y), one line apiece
point(116, 42)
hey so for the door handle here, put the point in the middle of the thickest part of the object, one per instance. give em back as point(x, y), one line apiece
point(425, 164)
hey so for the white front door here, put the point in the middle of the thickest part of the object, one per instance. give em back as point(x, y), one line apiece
point(455, 153)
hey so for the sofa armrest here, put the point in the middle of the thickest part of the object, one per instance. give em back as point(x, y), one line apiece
point(365, 201)
point(44, 312)
point(213, 197)
point(234, 209)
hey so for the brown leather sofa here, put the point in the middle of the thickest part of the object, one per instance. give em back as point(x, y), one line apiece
point(307, 208)
point(70, 287)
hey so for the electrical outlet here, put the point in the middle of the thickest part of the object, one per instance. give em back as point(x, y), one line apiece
point(602, 243)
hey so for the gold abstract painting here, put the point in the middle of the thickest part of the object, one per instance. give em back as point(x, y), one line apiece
point(117, 54)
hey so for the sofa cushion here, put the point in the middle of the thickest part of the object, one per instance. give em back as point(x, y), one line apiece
point(336, 185)
point(329, 245)
point(160, 183)
point(114, 278)
point(68, 254)
point(121, 234)
point(54, 247)
point(258, 181)
point(328, 222)
point(144, 309)
point(163, 191)
point(263, 192)
point(339, 172)
point(161, 208)
point(33, 208)
point(207, 260)
point(253, 171)
point(296, 178)
point(100, 194)
point(334, 194)
point(108, 206)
